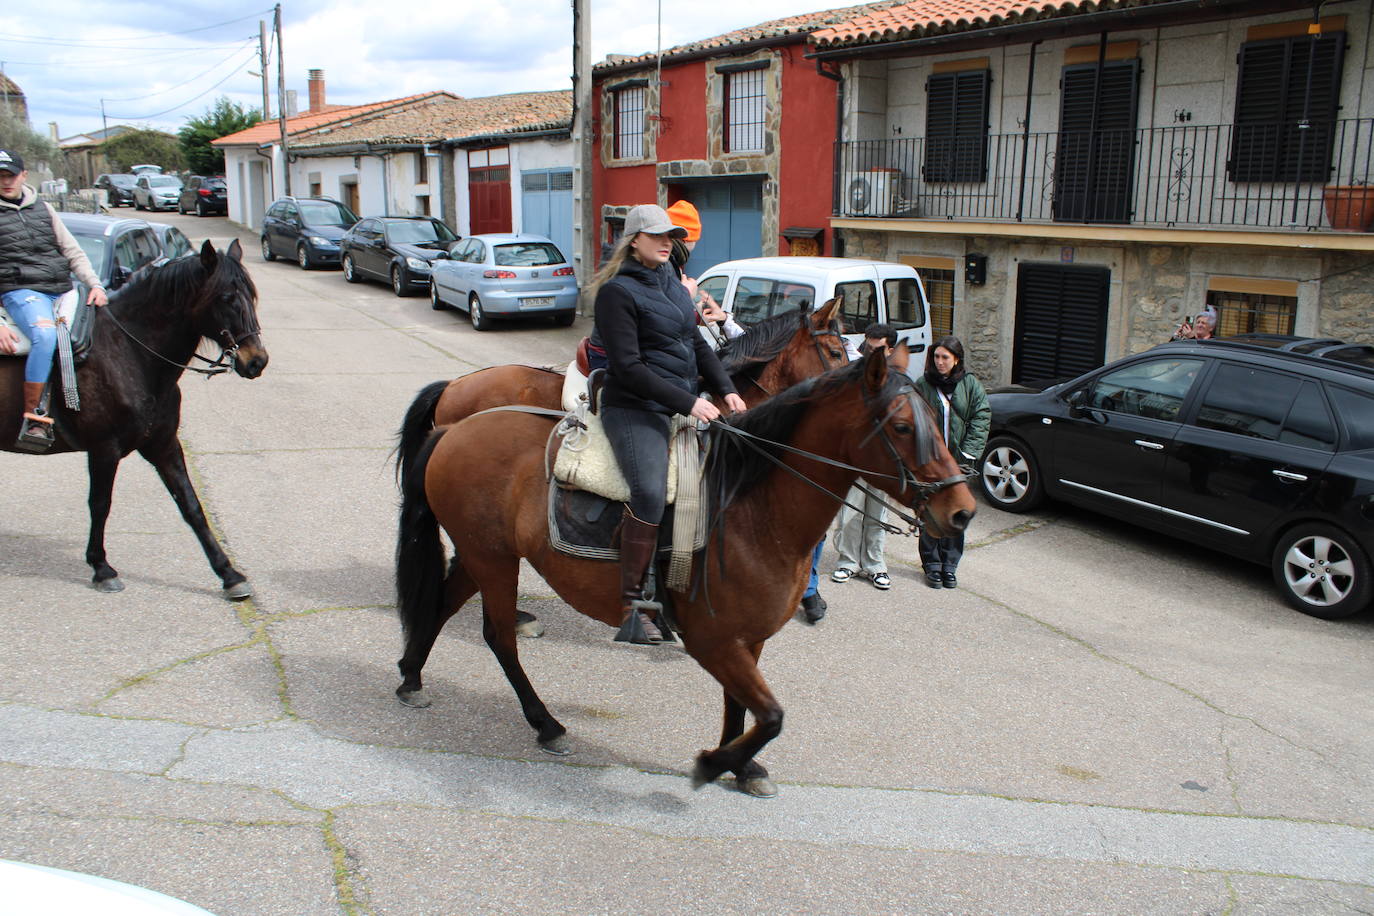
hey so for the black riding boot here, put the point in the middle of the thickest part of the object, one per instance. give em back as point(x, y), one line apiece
point(638, 540)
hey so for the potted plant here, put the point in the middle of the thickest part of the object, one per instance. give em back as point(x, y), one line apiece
point(1349, 208)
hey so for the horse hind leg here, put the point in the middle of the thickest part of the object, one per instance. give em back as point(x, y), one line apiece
point(458, 588)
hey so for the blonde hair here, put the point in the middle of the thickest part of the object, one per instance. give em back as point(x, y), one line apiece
point(607, 271)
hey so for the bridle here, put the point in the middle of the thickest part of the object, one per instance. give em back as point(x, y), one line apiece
point(906, 476)
point(831, 330)
point(228, 349)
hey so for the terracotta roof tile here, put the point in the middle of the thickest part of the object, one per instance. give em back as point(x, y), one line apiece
point(268, 131)
point(801, 25)
point(924, 17)
point(451, 119)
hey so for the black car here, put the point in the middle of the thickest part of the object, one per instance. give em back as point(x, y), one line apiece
point(305, 229)
point(117, 246)
point(1261, 446)
point(203, 196)
point(397, 249)
point(119, 188)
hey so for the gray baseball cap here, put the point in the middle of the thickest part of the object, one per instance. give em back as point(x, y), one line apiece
point(10, 162)
point(653, 219)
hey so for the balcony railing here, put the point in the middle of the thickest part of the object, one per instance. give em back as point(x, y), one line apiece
point(1273, 176)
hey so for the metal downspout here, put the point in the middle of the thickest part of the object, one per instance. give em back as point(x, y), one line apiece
point(1025, 131)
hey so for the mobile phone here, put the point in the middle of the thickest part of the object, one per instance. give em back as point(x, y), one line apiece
point(1187, 319)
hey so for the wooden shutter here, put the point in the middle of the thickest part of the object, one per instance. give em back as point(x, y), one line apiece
point(957, 126)
point(1061, 321)
point(1268, 142)
point(1095, 156)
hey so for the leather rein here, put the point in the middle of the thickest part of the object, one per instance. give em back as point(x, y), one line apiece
point(832, 330)
point(228, 349)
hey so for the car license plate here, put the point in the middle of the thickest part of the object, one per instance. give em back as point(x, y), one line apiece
point(537, 302)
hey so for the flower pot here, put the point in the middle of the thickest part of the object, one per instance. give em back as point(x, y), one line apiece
point(1349, 208)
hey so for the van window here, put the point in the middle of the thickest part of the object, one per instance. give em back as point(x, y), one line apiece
point(860, 307)
point(904, 306)
point(757, 299)
point(714, 287)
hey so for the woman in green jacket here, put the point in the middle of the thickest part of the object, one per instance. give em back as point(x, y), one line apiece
point(961, 408)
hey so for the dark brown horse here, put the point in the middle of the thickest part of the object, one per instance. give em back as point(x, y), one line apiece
point(129, 398)
point(772, 355)
point(483, 481)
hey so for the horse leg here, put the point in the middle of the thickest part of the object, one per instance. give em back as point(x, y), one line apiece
point(166, 456)
point(736, 668)
point(752, 777)
point(102, 462)
point(458, 588)
point(498, 629)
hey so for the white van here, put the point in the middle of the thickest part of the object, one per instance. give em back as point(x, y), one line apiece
point(873, 291)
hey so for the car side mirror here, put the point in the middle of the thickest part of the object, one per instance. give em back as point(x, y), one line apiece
point(119, 276)
point(1078, 402)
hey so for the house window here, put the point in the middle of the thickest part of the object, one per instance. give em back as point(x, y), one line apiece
point(939, 286)
point(745, 110)
point(1287, 97)
point(421, 168)
point(422, 204)
point(629, 122)
point(957, 126)
point(1252, 313)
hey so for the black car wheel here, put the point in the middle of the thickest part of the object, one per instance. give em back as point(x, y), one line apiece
point(435, 301)
point(267, 254)
point(303, 257)
point(565, 319)
point(400, 283)
point(180, 210)
point(1009, 477)
point(350, 271)
point(200, 209)
point(479, 319)
point(1322, 571)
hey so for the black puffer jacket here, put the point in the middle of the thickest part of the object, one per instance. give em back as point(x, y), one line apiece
point(30, 257)
point(648, 328)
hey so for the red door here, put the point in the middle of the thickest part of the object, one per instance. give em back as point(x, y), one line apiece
point(489, 199)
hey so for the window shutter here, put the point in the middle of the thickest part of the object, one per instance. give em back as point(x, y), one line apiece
point(957, 126)
point(1268, 142)
point(1095, 156)
point(1061, 321)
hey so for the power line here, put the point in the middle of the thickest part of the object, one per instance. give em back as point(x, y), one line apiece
point(193, 98)
point(69, 44)
point(215, 66)
point(203, 28)
point(105, 64)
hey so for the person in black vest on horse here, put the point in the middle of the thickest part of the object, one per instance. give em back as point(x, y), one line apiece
point(646, 322)
point(38, 255)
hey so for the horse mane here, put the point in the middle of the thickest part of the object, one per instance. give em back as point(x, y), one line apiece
point(179, 283)
point(746, 356)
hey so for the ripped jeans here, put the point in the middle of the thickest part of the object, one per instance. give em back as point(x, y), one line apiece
point(33, 311)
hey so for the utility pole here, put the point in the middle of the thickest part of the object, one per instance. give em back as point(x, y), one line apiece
point(281, 103)
point(585, 235)
point(104, 123)
point(262, 68)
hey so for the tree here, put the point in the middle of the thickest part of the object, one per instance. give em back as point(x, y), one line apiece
point(220, 120)
point(34, 148)
point(140, 145)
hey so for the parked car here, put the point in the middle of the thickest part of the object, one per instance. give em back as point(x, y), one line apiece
point(118, 188)
point(40, 889)
point(156, 192)
point(505, 276)
point(203, 195)
point(117, 246)
point(174, 242)
point(873, 291)
point(1261, 446)
point(396, 249)
point(307, 229)
point(146, 169)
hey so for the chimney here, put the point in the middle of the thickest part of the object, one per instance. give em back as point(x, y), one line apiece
point(52, 131)
point(291, 103)
point(317, 90)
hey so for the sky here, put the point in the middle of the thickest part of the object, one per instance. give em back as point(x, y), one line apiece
point(158, 63)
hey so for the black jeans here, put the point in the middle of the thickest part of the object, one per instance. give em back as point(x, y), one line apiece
point(941, 553)
point(639, 439)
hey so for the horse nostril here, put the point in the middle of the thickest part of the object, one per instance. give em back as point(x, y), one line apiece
point(961, 519)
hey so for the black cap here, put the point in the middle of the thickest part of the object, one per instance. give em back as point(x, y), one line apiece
point(10, 161)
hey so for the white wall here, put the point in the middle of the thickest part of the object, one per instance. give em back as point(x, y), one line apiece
point(247, 176)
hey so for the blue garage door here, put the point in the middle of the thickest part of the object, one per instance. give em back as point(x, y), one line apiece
point(546, 206)
point(731, 222)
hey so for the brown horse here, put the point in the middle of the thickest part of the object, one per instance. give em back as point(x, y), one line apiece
point(775, 473)
point(129, 398)
point(772, 355)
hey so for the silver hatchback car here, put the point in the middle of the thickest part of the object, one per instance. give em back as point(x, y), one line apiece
point(505, 276)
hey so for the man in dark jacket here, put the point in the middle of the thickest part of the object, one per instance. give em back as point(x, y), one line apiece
point(38, 255)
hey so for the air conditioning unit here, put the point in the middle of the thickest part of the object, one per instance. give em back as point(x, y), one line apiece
point(872, 192)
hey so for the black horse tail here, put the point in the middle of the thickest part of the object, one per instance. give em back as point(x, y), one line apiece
point(416, 426)
point(419, 549)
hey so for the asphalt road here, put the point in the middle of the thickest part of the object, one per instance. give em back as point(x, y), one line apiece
point(1098, 720)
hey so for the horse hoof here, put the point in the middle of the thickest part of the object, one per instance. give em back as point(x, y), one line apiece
point(530, 629)
point(757, 787)
point(109, 586)
point(703, 772)
point(238, 592)
point(559, 746)
point(415, 699)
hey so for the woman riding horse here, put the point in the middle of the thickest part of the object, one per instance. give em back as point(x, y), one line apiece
point(647, 324)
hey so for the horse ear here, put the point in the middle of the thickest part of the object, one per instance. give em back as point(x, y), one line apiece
point(900, 357)
point(875, 371)
point(209, 256)
point(235, 250)
point(826, 313)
